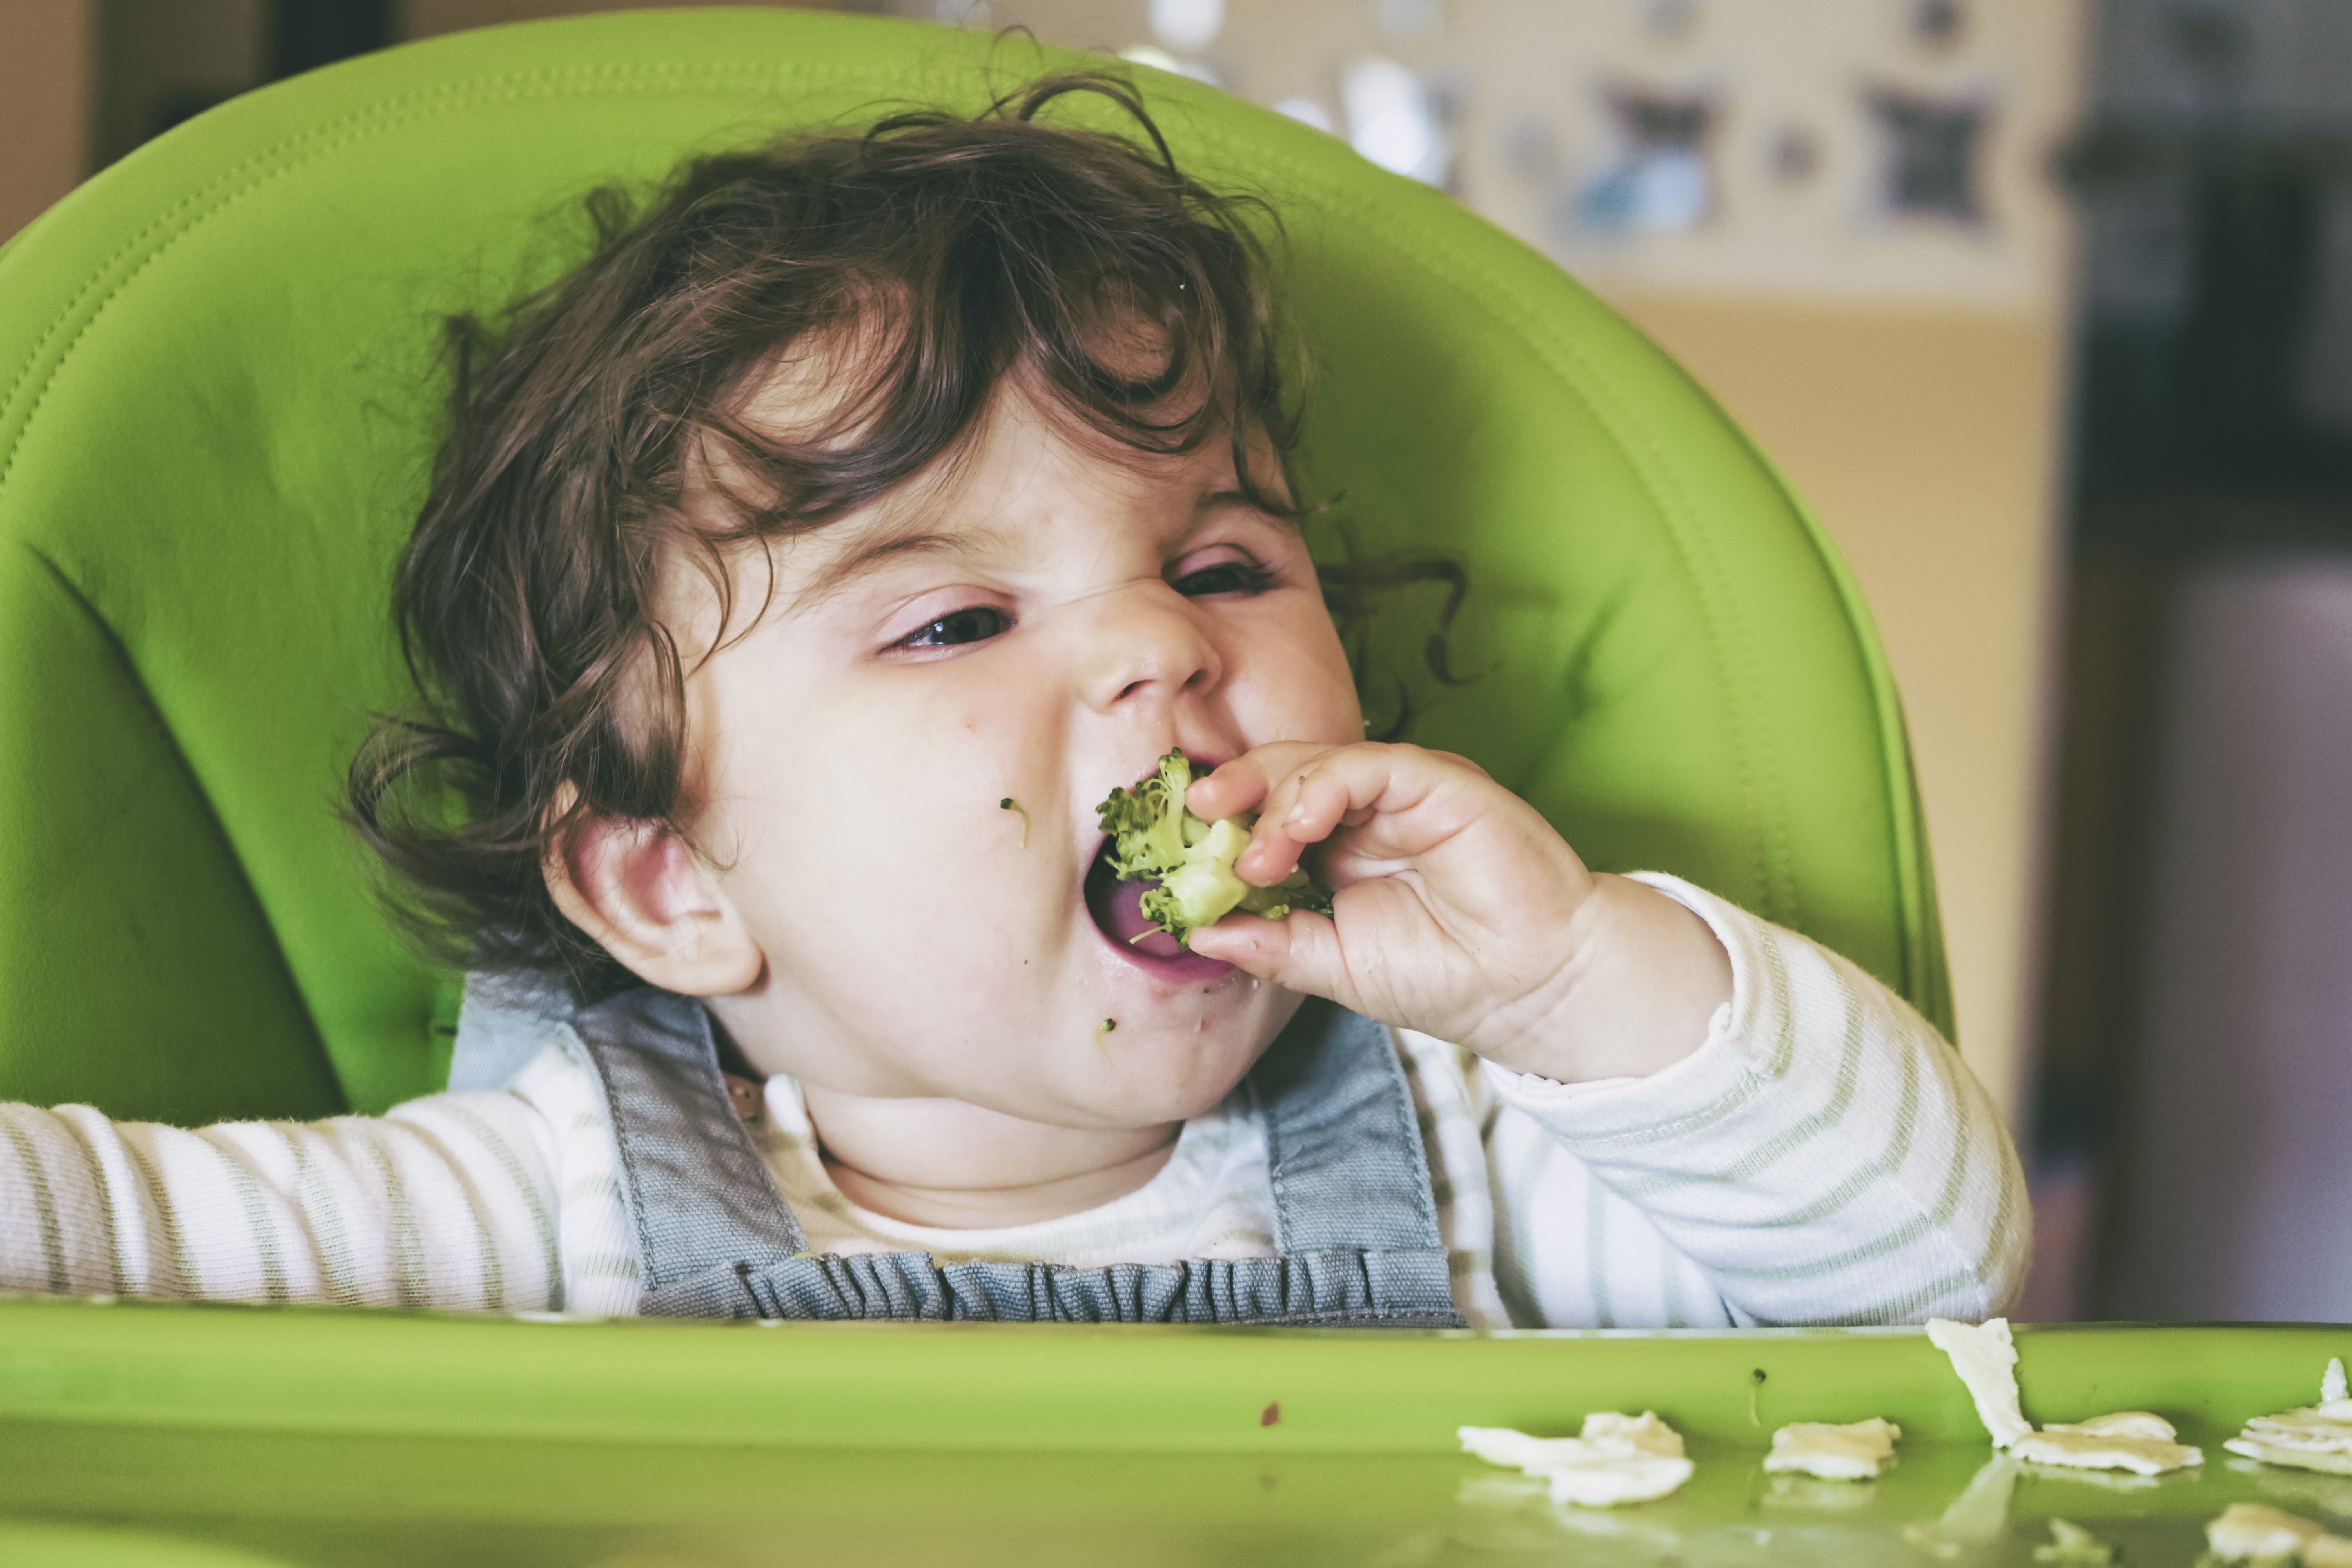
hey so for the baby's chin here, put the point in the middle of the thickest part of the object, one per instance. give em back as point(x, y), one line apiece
point(1178, 1063)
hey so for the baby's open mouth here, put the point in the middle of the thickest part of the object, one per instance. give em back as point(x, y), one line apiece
point(1117, 910)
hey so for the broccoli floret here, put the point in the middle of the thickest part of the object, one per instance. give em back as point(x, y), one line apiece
point(1147, 823)
point(1155, 839)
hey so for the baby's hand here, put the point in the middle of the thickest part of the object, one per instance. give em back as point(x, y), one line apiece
point(1458, 912)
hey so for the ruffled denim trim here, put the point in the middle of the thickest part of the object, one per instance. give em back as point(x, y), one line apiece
point(1339, 1286)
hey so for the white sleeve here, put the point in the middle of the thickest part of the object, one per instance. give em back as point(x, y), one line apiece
point(449, 1201)
point(1824, 1157)
point(597, 1232)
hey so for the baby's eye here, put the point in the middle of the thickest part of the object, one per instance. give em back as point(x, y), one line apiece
point(1225, 577)
point(977, 623)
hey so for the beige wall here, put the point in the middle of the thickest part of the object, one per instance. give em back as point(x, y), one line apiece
point(1927, 441)
point(45, 69)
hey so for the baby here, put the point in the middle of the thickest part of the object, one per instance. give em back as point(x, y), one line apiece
point(799, 575)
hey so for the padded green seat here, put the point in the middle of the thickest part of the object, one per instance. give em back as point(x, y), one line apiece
point(218, 398)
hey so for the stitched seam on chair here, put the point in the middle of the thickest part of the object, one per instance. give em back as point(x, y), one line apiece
point(260, 170)
point(1906, 825)
point(204, 799)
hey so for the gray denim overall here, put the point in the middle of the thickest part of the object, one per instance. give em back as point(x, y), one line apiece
point(1355, 1222)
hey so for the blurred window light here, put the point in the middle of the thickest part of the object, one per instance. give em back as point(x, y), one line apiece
point(1655, 178)
point(963, 12)
point(1187, 27)
point(1306, 111)
point(1157, 58)
point(1928, 152)
point(1393, 121)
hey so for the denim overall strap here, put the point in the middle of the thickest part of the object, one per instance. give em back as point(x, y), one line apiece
point(701, 1200)
point(1355, 1222)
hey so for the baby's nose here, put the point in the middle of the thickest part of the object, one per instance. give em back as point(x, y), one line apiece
point(1148, 645)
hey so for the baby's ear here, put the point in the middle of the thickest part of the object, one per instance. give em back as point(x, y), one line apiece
point(640, 891)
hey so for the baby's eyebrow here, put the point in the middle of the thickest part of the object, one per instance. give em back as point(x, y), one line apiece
point(871, 555)
point(1218, 500)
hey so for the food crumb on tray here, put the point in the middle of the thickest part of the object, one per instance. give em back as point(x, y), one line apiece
point(2128, 1440)
point(2071, 1544)
point(1986, 1360)
point(2316, 1437)
point(2249, 1531)
point(1615, 1459)
point(1856, 1451)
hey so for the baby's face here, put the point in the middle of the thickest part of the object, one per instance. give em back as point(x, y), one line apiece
point(1039, 623)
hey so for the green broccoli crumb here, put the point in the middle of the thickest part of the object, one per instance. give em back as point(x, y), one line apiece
point(1155, 839)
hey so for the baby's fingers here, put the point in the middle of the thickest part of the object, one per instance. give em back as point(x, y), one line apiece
point(1298, 954)
point(1352, 786)
point(1243, 783)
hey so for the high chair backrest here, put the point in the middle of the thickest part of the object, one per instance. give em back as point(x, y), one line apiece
point(219, 395)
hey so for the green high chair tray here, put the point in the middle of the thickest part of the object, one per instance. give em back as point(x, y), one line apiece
point(218, 399)
point(170, 1435)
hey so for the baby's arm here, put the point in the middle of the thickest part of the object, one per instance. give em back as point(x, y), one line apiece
point(1825, 1157)
point(445, 1202)
point(1800, 1146)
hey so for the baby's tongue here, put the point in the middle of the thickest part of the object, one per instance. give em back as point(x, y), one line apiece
point(1117, 908)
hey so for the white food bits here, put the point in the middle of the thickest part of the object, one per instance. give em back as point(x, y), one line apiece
point(2071, 1544)
point(2128, 1440)
point(1985, 1359)
point(1616, 1460)
point(2248, 1530)
point(1856, 1451)
point(1643, 1434)
point(1977, 1518)
point(2317, 1437)
point(2122, 1423)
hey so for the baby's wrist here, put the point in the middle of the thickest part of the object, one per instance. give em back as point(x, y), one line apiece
point(1638, 991)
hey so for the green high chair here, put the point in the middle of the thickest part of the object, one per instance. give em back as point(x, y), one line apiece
point(219, 394)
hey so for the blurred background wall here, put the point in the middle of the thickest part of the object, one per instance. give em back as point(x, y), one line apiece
point(2046, 306)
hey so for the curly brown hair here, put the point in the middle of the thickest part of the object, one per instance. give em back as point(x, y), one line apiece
point(584, 418)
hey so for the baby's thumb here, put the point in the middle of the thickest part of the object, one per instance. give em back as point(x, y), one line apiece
point(1301, 952)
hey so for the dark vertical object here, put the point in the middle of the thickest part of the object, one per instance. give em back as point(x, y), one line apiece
point(308, 34)
point(2100, 851)
point(2258, 228)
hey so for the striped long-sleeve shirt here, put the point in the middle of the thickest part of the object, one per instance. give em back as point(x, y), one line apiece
point(1824, 1157)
